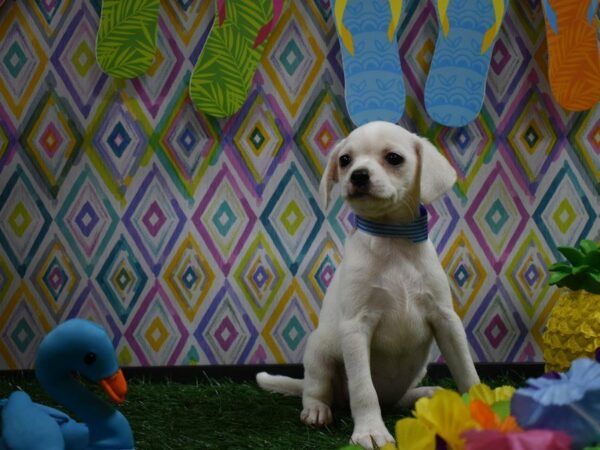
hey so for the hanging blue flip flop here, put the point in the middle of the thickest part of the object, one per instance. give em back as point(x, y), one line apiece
point(455, 86)
point(374, 85)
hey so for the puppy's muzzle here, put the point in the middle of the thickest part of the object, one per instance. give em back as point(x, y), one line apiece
point(360, 178)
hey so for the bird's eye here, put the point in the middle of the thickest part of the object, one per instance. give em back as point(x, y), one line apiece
point(89, 358)
point(345, 160)
point(394, 159)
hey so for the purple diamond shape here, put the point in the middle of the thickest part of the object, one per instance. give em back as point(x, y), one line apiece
point(87, 219)
point(260, 277)
point(326, 275)
point(226, 334)
point(500, 57)
point(55, 278)
point(154, 219)
point(532, 275)
point(496, 331)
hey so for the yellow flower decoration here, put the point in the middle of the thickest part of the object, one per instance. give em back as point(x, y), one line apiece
point(388, 446)
point(412, 434)
point(490, 396)
point(447, 415)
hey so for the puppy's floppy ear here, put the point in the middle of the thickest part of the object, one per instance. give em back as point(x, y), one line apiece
point(437, 175)
point(330, 175)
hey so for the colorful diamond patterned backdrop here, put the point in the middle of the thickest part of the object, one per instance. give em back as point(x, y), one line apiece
point(202, 241)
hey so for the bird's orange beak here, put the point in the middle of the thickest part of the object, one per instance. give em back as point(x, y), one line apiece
point(115, 387)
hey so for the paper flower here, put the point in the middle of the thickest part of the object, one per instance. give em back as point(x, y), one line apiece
point(487, 419)
point(498, 398)
point(412, 434)
point(568, 402)
point(488, 395)
point(440, 421)
point(447, 416)
point(524, 440)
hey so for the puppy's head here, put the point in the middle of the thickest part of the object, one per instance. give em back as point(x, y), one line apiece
point(382, 167)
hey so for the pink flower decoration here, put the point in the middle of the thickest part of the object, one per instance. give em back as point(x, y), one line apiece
point(525, 440)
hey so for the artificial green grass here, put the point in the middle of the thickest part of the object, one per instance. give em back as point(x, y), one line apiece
point(220, 414)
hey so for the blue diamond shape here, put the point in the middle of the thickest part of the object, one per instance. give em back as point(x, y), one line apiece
point(185, 4)
point(22, 335)
point(293, 333)
point(119, 139)
point(291, 57)
point(461, 138)
point(224, 212)
point(461, 275)
point(15, 59)
point(496, 217)
point(187, 139)
point(189, 277)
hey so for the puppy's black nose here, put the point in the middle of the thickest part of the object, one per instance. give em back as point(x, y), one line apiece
point(360, 177)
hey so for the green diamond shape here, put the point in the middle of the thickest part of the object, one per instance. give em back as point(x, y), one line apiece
point(291, 57)
point(19, 219)
point(224, 212)
point(257, 138)
point(83, 58)
point(496, 217)
point(14, 59)
point(122, 278)
point(292, 217)
point(564, 216)
point(531, 136)
point(295, 327)
point(22, 335)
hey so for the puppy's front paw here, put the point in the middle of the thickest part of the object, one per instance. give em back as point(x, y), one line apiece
point(316, 414)
point(371, 436)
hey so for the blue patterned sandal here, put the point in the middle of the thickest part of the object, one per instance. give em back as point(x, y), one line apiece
point(374, 85)
point(455, 86)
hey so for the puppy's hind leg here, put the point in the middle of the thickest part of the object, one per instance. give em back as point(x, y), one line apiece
point(319, 371)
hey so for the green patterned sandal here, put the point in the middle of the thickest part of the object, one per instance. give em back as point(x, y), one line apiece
point(222, 77)
point(126, 41)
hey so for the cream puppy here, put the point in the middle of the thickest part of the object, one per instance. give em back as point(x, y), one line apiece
point(389, 298)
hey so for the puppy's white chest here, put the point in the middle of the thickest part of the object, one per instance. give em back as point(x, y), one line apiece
point(402, 325)
point(400, 283)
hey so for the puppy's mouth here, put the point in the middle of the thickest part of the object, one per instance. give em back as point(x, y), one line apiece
point(359, 193)
point(363, 193)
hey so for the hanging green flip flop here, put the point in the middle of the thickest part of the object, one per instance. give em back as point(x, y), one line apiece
point(126, 41)
point(223, 75)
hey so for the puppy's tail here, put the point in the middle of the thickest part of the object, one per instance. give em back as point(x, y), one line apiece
point(280, 384)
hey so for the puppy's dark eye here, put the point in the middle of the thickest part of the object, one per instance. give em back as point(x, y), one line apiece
point(345, 160)
point(89, 358)
point(394, 159)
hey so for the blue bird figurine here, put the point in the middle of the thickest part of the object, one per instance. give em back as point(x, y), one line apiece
point(76, 346)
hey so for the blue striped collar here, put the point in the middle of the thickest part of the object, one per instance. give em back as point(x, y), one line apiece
point(415, 231)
